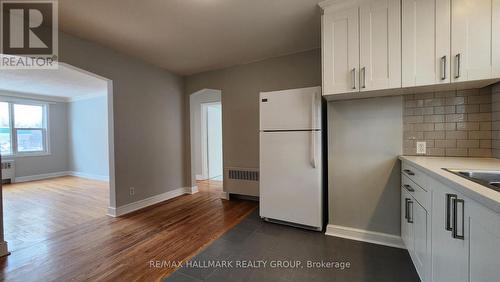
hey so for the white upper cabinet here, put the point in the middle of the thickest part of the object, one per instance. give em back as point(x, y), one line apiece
point(340, 51)
point(472, 39)
point(380, 45)
point(425, 42)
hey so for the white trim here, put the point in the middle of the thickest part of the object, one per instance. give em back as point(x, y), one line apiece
point(4, 250)
point(200, 177)
point(89, 175)
point(41, 176)
point(365, 236)
point(128, 208)
point(225, 196)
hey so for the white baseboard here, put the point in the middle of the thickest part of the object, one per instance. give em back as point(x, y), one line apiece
point(89, 176)
point(4, 250)
point(41, 176)
point(225, 196)
point(365, 236)
point(200, 177)
point(128, 208)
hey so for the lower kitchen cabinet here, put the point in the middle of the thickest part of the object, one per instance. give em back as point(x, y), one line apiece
point(452, 237)
point(449, 254)
point(484, 244)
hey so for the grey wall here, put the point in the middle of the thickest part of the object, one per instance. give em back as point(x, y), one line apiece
point(88, 137)
point(240, 86)
point(365, 140)
point(57, 160)
point(148, 113)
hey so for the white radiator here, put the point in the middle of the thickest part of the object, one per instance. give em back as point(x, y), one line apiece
point(8, 171)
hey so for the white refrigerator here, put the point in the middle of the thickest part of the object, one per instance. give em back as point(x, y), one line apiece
point(291, 165)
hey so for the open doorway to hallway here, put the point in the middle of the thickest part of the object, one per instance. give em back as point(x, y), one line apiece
point(56, 145)
point(206, 139)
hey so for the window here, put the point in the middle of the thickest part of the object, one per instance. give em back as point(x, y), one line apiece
point(23, 128)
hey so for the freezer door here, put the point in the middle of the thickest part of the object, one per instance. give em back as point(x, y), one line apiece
point(290, 177)
point(291, 109)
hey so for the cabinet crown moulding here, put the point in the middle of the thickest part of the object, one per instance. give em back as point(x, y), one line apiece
point(338, 4)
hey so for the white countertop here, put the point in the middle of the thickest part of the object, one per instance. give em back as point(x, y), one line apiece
point(434, 167)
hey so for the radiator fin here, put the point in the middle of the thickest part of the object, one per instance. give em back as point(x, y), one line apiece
point(243, 175)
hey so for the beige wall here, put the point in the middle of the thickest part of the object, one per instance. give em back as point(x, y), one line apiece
point(364, 141)
point(240, 86)
point(148, 106)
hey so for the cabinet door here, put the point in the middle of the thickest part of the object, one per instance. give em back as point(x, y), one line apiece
point(421, 239)
point(406, 226)
point(380, 45)
point(426, 42)
point(471, 39)
point(484, 244)
point(449, 255)
point(340, 51)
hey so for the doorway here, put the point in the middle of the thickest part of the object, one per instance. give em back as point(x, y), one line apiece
point(206, 140)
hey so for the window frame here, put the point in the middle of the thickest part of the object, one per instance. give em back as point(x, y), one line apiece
point(13, 130)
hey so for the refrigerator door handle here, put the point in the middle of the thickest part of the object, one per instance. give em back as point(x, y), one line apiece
point(313, 126)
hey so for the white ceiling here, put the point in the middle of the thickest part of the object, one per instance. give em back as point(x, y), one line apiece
point(65, 83)
point(191, 36)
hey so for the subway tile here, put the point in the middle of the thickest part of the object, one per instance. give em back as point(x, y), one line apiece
point(444, 110)
point(439, 126)
point(485, 108)
point(485, 125)
point(414, 119)
point(495, 106)
point(456, 152)
point(468, 126)
point(495, 135)
point(434, 135)
point(455, 117)
point(449, 126)
point(468, 92)
point(495, 125)
point(445, 143)
point(495, 87)
point(479, 134)
point(495, 116)
point(485, 90)
point(434, 102)
point(436, 152)
point(408, 97)
point(434, 118)
point(409, 151)
point(495, 144)
point(445, 94)
point(495, 97)
point(479, 117)
point(495, 153)
point(481, 152)
point(423, 127)
point(414, 135)
point(479, 99)
point(467, 143)
point(456, 134)
point(464, 109)
point(409, 144)
point(429, 143)
point(485, 144)
point(455, 100)
point(423, 96)
point(424, 111)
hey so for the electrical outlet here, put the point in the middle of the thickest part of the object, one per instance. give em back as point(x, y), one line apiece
point(132, 191)
point(421, 148)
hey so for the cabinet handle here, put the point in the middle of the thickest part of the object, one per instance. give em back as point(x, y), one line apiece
point(363, 71)
point(409, 172)
point(353, 78)
point(409, 188)
point(458, 59)
point(443, 65)
point(449, 197)
point(454, 233)
point(410, 211)
point(406, 208)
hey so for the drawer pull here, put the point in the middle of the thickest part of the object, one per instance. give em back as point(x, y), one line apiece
point(409, 188)
point(410, 211)
point(409, 172)
point(448, 203)
point(454, 232)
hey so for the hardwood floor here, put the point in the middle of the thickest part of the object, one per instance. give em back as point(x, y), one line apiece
point(111, 249)
point(35, 210)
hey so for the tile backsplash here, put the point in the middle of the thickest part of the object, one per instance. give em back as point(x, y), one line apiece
point(453, 123)
point(495, 116)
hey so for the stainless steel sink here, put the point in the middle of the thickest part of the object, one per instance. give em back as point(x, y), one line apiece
point(490, 179)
